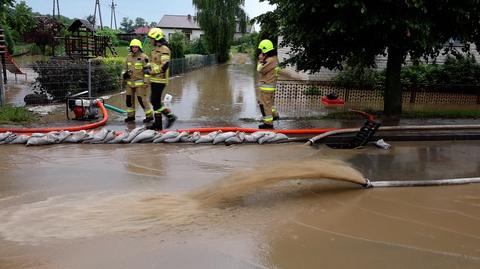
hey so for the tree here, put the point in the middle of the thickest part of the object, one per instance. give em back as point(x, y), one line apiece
point(139, 22)
point(43, 33)
point(218, 19)
point(330, 33)
point(126, 25)
point(21, 19)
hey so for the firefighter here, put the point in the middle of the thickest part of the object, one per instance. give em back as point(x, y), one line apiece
point(159, 74)
point(267, 69)
point(137, 82)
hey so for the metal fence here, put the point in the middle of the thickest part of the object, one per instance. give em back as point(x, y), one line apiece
point(298, 91)
point(58, 78)
point(191, 62)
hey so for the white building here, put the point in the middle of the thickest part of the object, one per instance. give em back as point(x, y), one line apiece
point(188, 25)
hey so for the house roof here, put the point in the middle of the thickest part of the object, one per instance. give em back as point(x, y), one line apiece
point(142, 30)
point(78, 23)
point(179, 22)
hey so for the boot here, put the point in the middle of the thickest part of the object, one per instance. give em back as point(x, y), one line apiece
point(157, 124)
point(129, 119)
point(276, 117)
point(170, 120)
point(148, 119)
point(265, 126)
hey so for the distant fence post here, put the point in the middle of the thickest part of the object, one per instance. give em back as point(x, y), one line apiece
point(2, 92)
point(89, 78)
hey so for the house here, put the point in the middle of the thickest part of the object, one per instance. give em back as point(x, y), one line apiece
point(188, 25)
point(381, 62)
point(180, 23)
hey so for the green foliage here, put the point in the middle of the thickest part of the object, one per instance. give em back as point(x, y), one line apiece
point(177, 44)
point(312, 90)
point(10, 114)
point(126, 25)
point(359, 77)
point(110, 33)
point(61, 78)
point(455, 73)
point(9, 38)
point(218, 19)
point(197, 46)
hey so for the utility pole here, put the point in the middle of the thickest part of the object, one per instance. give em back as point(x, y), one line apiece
point(97, 4)
point(112, 16)
point(58, 9)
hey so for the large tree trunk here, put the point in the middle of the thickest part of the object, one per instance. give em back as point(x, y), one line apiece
point(393, 91)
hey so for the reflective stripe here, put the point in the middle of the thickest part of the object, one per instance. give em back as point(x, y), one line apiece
point(135, 83)
point(267, 89)
point(274, 109)
point(130, 110)
point(159, 80)
point(277, 70)
point(268, 119)
point(149, 113)
point(129, 63)
point(146, 75)
point(160, 110)
point(138, 65)
point(259, 67)
point(165, 58)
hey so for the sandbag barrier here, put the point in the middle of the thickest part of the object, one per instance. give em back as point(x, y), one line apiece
point(142, 135)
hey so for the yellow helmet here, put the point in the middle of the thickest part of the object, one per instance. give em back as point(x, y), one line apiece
point(156, 33)
point(136, 42)
point(265, 45)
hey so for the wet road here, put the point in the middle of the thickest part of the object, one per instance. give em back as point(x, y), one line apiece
point(135, 206)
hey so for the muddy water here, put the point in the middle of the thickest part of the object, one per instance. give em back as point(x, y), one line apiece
point(138, 206)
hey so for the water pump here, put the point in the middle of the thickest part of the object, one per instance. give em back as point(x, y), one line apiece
point(83, 108)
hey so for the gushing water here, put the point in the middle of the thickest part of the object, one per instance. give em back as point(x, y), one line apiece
point(80, 215)
point(244, 182)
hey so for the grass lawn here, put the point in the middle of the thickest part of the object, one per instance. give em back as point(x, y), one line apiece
point(15, 115)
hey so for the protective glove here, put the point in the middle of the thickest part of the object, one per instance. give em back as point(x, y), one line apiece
point(147, 70)
point(126, 75)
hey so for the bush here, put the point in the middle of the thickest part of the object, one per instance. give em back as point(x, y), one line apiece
point(10, 114)
point(453, 74)
point(197, 46)
point(177, 44)
point(61, 78)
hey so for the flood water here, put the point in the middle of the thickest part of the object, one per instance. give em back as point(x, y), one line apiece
point(205, 206)
point(241, 206)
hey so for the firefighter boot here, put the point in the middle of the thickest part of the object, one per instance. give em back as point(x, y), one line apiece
point(170, 120)
point(157, 124)
point(148, 119)
point(129, 119)
point(265, 126)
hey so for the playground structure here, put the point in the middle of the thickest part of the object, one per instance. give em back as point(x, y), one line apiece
point(7, 60)
point(83, 42)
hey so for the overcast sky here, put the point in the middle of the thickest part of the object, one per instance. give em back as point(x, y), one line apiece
point(150, 10)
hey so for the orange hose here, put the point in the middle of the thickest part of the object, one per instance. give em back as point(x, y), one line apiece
point(55, 129)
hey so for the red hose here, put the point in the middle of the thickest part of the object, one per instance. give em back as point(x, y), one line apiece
point(55, 129)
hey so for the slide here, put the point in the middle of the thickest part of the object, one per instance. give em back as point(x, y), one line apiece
point(12, 67)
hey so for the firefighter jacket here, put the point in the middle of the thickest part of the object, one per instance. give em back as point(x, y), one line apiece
point(160, 64)
point(135, 65)
point(268, 72)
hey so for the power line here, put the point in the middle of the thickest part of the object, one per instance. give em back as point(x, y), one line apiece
point(112, 15)
point(97, 4)
point(58, 9)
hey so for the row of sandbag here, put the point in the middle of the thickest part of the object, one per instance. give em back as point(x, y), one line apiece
point(140, 135)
